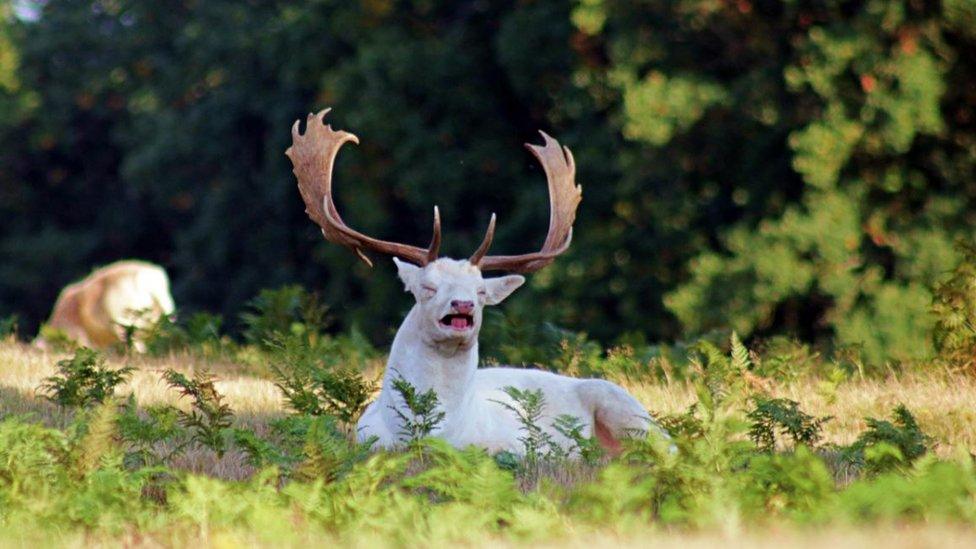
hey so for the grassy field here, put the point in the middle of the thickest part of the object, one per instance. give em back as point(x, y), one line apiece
point(940, 401)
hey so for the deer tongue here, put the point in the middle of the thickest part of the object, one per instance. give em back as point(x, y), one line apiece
point(459, 322)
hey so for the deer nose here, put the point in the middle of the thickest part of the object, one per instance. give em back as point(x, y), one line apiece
point(463, 307)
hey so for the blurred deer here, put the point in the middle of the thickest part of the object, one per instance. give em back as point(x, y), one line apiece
point(436, 347)
point(100, 309)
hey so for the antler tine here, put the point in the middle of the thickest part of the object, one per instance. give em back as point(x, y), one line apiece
point(313, 156)
point(479, 254)
point(435, 239)
point(564, 199)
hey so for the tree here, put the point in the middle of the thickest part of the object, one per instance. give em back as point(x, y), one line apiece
point(769, 166)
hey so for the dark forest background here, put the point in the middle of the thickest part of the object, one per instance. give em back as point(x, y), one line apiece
point(797, 167)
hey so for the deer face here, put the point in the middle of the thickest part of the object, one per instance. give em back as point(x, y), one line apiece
point(451, 296)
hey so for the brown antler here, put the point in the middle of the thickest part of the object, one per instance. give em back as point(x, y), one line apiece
point(564, 198)
point(313, 155)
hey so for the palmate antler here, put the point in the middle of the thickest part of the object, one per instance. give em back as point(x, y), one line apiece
point(313, 156)
point(564, 198)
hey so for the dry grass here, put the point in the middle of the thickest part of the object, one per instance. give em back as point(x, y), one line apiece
point(23, 368)
point(255, 401)
point(942, 402)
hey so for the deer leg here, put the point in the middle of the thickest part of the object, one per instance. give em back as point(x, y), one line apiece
point(616, 414)
point(605, 437)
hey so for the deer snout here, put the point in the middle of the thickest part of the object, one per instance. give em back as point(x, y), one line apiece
point(462, 307)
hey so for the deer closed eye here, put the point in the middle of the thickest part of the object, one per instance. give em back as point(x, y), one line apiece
point(428, 291)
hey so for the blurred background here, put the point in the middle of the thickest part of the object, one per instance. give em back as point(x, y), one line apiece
point(776, 167)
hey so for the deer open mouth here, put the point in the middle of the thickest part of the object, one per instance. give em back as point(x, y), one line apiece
point(458, 322)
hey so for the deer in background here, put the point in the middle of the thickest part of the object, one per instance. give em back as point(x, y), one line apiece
point(97, 310)
point(436, 347)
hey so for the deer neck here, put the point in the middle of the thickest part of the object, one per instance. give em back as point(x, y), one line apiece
point(447, 369)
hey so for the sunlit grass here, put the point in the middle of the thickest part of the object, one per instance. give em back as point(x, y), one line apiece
point(942, 402)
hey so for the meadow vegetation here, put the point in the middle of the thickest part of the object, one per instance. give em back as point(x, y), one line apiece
point(753, 171)
point(208, 439)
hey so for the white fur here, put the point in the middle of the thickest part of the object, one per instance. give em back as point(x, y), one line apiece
point(95, 310)
point(430, 355)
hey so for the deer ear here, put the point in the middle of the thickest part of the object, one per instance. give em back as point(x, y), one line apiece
point(502, 287)
point(409, 274)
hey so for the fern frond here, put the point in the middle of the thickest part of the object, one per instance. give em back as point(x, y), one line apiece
point(97, 440)
point(740, 355)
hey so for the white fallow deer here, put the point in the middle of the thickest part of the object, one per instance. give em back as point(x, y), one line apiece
point(436, 347)
point(97, 310)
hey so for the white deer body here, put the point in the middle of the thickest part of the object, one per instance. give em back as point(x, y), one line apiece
point(95, 310)
point(436, 348)
point(431, 355)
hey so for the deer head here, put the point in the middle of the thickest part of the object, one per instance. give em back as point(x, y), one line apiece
point(450, 294)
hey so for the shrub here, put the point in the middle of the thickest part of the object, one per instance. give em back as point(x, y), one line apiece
point(770, 416)
point(151, 437)
point(687, 425)
point(528, 406)
point(8, 327)
point(538, 445)
point(209, 417)
point(507, 339)
point(200, 333)
point(797, 484)
point(423, 412)
point(784, 359)
point(326, 453)
point(721, 379)
point(954, 306)
point(83, 380)
point(57, 339)
point(286, 310)
point(887, 445)
point(313, 381)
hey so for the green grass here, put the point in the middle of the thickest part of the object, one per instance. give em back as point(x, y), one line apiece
point(139, 472)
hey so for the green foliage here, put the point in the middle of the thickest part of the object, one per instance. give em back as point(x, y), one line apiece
point(798, 485)
point(954, 307)
point(274, 314)
point(326, 453)
point(29, 458)
point(151, 437)
point(92, 439)
point(721, 378)
point(423, 412)
point(785, 359)
point(687, 426)
point(199, 333)
point(8, 327)
point(887, 445)
point(538, 446)
point(587, 447)
point(800, 171)
point(83, 380)
point(528, 408)
point(209, 417)
point(934, 491)
point(57, 339)
point(111, 472)
point(317, 381)
point(509, 339)
point(770, 416)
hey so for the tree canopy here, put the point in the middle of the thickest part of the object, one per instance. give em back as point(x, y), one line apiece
point(793, 166)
